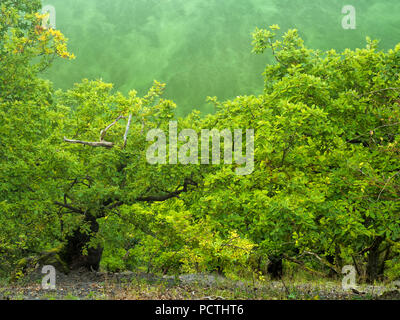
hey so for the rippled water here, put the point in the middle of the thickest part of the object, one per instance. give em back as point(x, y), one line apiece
point(201, 48)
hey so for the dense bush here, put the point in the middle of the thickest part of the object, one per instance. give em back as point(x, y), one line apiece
point(324, 191)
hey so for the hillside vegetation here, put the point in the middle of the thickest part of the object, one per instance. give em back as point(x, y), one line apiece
point(76, 189)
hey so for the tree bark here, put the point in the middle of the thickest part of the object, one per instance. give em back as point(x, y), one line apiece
point(275, 268)
point(373, 263)
point(72, 251)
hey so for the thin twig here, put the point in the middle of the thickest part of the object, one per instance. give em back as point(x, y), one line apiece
point(273, 50)
point(388, 180)
point(127, 129)
point(104, 131)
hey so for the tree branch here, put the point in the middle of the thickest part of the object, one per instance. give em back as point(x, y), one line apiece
point(323, 261)
point(127, 129)
point(69, 207)
point(273, 50)
point(157, 198)
point(303, 266)
point(387, 182)
point(104, 131)
point(104, 144)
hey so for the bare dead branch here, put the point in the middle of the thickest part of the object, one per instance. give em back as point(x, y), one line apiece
point(104, 144)
point(104, 131)
point(127, 129)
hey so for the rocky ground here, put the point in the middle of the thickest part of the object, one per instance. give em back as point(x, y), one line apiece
point(83, 285)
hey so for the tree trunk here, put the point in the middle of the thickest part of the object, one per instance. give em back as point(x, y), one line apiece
point(72, 251)
point(331, 259)
point(373, 264)
point(336, 261)
point(275, 268)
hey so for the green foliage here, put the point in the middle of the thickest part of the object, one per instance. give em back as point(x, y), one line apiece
point(326, 162)
point(325, 182)
point(28, 122)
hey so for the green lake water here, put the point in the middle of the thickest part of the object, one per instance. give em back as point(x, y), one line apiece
point(201, 48)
